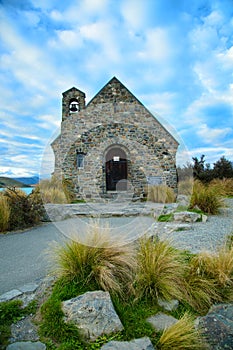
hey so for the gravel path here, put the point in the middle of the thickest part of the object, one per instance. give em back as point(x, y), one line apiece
point(202, 236)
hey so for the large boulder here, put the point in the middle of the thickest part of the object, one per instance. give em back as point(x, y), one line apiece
point(93, 313)
point(217, 326)
point(136, 344)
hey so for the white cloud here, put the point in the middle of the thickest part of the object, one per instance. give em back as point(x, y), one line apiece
point(212, 135)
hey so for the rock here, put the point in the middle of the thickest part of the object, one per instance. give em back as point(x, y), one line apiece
point(204, 218)
point(93, 313)
point(136, 344)
point(10, 295)
point(168, 305)
point(217, 326)
point(29, 288)
point(26, 346)
point(161, 321)
point(183, 200)
point(24, 330)
point(186, 216)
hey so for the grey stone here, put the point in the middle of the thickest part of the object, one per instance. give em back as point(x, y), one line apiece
point(24, 330)
point(186, 216)
point(136, 344)
point(10, 295)
point(26, 346)
point(29, 288)
point(183, 200)
point(161, 321)
point(217, 326)
point(93, 313)
point(204, 218)
point(168, 305)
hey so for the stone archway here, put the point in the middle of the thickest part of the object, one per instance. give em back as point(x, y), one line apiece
point(116, 169)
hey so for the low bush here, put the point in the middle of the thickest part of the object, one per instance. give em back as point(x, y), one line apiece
point(182, 335)
point(160, 270)
point(4, 213)
point(206, 198)
point(108, 264)
point(160, 194)
point(25, 210)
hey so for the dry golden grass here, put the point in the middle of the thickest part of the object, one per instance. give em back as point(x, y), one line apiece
point(52, 191)
point(107, 263)
point(199, 292)
point(186, 186)
point(160, 270)
point(160, 194)
point(224, 187)
point(218, 268)
point(180, 336)
point(4, 213)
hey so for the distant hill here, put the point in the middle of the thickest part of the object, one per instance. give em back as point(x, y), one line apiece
point(33, 180)
point(8, 182)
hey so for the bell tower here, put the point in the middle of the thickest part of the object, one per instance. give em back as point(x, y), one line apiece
point(73, 101)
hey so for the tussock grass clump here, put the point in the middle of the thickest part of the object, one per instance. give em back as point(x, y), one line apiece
point(4, 213)
point(99, 260)
point(199, 292)
point(224, 187)
point(180, 336)
point(206, 198)
point(161, 194)
point(160, 270)
point(186, 186)
point(52, 191)
point(218, 268)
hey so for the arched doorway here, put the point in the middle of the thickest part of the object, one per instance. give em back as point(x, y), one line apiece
point(116, 169)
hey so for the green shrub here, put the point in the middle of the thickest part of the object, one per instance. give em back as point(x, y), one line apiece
point(160, 270)
point(4, 213)
point(206, 198)
point(109, 264)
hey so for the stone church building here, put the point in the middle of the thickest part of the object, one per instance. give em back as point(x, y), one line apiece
point(112, 144)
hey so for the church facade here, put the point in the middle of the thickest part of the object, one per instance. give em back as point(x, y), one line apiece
point(112, 144)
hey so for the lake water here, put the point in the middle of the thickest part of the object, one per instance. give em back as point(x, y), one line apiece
point(27, 190)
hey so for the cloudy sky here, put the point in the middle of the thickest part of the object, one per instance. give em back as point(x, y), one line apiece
point(175, 56)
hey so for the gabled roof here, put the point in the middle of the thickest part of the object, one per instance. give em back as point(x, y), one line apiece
point(113, 91)
point(72, 89)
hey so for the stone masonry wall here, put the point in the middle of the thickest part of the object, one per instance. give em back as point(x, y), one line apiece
point(121, 120)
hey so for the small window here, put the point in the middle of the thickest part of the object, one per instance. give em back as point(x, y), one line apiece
point(80, 160)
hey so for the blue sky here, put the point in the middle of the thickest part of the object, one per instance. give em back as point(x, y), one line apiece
point(175, 56)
